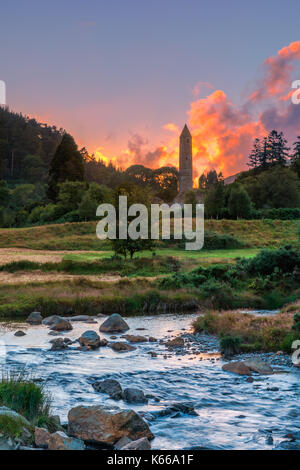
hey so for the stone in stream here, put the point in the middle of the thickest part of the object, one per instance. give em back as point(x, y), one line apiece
point(122, 442)
point(109, 386)
point(122, 347)
point(135, 338)
point(114, 324)
point(106, 425)
point(134, 395)
point(237, 367)
point(41, 437)
point(139, 444)
point(20, 333)
point(35, 318)
point(90, 339)
point(60, 441)
point(50, 320)
point(61, 325)
point(258, 366)
point(58, 344)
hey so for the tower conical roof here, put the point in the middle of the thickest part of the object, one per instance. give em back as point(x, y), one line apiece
point(185, 132)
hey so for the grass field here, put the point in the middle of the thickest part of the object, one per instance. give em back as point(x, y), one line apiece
point(64, 268)
point(203, 256)
point(82, 236)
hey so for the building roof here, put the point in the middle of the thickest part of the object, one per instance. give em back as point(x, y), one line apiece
point(185, 131)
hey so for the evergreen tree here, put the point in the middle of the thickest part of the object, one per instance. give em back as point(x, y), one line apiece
point(255, 155)
point(296, 150)
point(264, 155)
point(66, 165)
point(278, 151)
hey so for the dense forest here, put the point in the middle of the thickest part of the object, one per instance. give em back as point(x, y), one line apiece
point(45, 178)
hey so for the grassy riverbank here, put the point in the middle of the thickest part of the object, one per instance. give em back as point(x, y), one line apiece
point(252, 333)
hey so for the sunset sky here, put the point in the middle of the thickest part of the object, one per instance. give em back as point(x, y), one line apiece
point(123, 76)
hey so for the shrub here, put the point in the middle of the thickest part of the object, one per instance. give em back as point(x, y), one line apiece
point(24, 396)
point(230, 345)
point(284, 259)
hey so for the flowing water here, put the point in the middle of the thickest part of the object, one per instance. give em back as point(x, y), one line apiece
point(231, 413)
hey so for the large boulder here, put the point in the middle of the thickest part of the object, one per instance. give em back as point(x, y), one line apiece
point(35, 318)
point(90, 339)
point(122, 347)
point(259, 366)
point(48, 321)
point(41, 437)
point(60, 441)
point(14, 416)
point(139, 444)
point(109, 386)
point(106, 425)
point(134, 395)
point(61, 325)
point(237, 367)
point(114, 324)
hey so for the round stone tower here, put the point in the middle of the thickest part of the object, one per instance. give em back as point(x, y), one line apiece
point(185, 161)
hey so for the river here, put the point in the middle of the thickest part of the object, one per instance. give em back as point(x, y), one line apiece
point(231, 413)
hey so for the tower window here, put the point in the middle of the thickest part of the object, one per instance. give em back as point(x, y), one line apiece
point(187, 141)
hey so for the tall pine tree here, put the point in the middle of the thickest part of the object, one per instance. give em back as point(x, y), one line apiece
point(255, 155)
point(278, 151)
point(66, 165)
point(296, 150)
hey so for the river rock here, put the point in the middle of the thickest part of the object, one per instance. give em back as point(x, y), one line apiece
point(109, 386)
point(122, 347)
point(90, 339)
point(50, 320)
point(20, 333)
point(106, 425)
point(60, 441)
point(61, 325)
point(6, 443)
point(58, 344)
point(258, 366)
point(135, 338)
point(134, 395)
point(114, 324)
point(41, 437)
point(35, 318)
point(122, 442)
point(237, 367)
point(139, 444)
point(14, 415)
point(176, 342)
point(152, 339)
point(84, 318)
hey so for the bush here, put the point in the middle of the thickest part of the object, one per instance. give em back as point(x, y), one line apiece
point(230, 345)
point(24, 396)
point(267, 261)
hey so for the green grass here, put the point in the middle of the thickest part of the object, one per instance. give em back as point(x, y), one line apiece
point(176, 253)
point(23, 396)
point(82, 235)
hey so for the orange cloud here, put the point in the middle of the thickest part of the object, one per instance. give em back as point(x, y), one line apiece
point(223, 133)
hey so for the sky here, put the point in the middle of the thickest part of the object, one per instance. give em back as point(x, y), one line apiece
point(123, 76)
